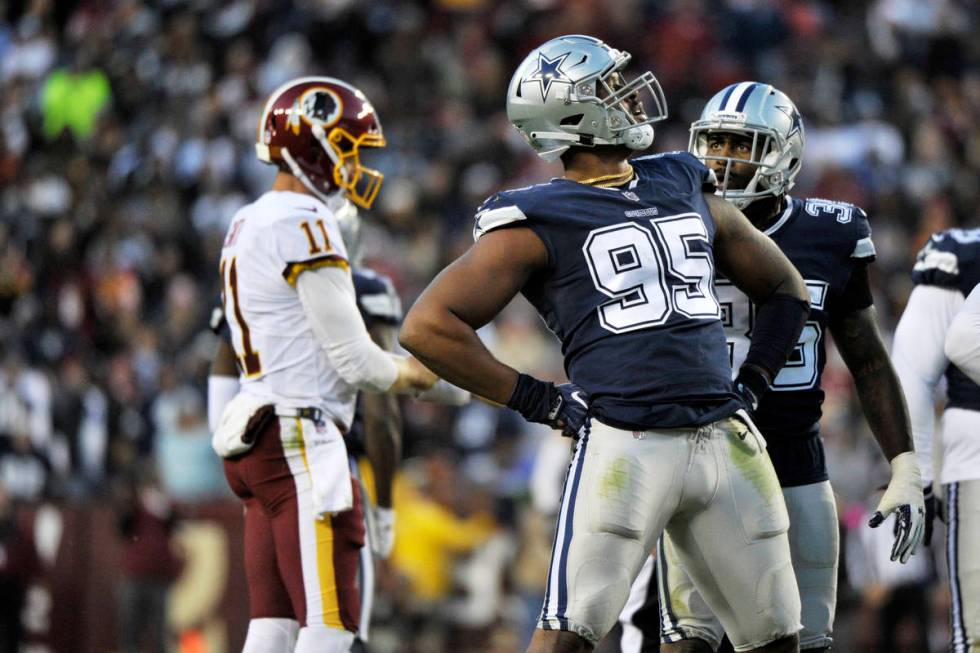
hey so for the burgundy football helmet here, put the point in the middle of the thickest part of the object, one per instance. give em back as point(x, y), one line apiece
point(313, 128)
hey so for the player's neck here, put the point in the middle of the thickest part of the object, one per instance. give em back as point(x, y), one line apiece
point(288, 182)
point(764, 212)
point(585, 166)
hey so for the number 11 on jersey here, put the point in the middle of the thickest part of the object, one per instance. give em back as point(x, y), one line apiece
point(248, 359)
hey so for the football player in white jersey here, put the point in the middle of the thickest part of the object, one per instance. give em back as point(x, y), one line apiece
point(933, 339)
point(303, 351)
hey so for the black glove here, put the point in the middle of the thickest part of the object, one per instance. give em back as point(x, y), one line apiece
point(934, 509)
point(750, 385)
point(564, 407)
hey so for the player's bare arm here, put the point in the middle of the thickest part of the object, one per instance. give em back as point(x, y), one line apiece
point(863, 350)
point(382, 427)
point(880, 391)
point(223, 363)
point(440, 329)
point(759, 269)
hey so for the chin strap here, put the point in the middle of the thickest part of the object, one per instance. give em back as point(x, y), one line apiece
point(299, 174)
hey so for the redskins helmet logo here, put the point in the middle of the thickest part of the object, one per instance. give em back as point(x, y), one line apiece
point(321, 106)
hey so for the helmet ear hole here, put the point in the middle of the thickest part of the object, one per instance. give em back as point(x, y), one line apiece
point(572, 121)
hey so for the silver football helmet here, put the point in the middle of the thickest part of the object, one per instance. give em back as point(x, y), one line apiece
point(571, 92)
point(767, 116)
point(350, 230)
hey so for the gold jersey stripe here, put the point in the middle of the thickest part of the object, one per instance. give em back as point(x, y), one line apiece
point(293, 270)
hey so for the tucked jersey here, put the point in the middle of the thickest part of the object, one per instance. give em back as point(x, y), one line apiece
point(629, 290)
point(951, 259)
point(269, 244)
point(826, 241)
point(378, 303)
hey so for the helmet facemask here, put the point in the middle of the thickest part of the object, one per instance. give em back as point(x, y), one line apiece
point(359, 182)
point(774, 169)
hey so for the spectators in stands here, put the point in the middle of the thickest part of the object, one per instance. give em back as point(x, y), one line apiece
point(126, 143)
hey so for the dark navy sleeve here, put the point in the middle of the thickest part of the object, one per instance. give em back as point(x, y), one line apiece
point(684, 165)
point(951, 259)
point(702, 174)
point(864, 247)
point(376, 298)
point(497, 211)
point(510, 209)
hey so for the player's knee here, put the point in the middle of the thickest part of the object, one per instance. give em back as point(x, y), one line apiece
point(558, 641)
point(778, 597)
point(270, 635)
point(317, 638)
point(686, 646)
point(602, 581)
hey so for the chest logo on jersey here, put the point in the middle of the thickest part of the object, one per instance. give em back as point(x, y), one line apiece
point(642, 213)
point(630, 195)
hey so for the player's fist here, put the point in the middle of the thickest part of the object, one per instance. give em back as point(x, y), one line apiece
point(564, 407)
point(413, 376)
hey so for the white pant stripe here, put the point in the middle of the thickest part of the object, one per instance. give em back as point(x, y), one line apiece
point(551, 596)
point(952, 555)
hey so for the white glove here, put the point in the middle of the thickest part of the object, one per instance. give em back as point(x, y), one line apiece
point(382, 531)
point(904, 498)
point(445, 393)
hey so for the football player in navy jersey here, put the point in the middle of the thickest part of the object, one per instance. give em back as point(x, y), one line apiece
point(933, 339)
point(752, 136)
point(618, 256)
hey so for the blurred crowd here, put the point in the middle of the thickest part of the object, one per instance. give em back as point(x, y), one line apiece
point(126, 145)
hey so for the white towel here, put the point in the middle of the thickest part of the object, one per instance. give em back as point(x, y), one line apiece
point(227, 439)
point(326, 455)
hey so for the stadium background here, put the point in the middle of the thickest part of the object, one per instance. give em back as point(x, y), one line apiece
point(126, 133)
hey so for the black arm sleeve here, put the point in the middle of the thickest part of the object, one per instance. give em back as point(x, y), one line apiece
point(778, 323)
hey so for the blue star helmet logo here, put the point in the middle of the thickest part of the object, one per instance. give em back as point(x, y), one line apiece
point(795, 117)
point(548, 71)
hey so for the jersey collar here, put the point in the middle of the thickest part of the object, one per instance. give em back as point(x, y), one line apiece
point(787, 213)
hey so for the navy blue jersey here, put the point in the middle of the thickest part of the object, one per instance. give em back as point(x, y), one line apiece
point(951, 259)
point(629, 290)
point(826, 241)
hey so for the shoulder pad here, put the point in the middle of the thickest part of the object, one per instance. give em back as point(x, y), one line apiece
point(852, 217)
point(376, 297)
point(948, 258)
point(703, 176)
point(497, 211)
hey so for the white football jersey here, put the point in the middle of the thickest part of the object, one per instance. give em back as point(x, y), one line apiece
point(269, 243)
